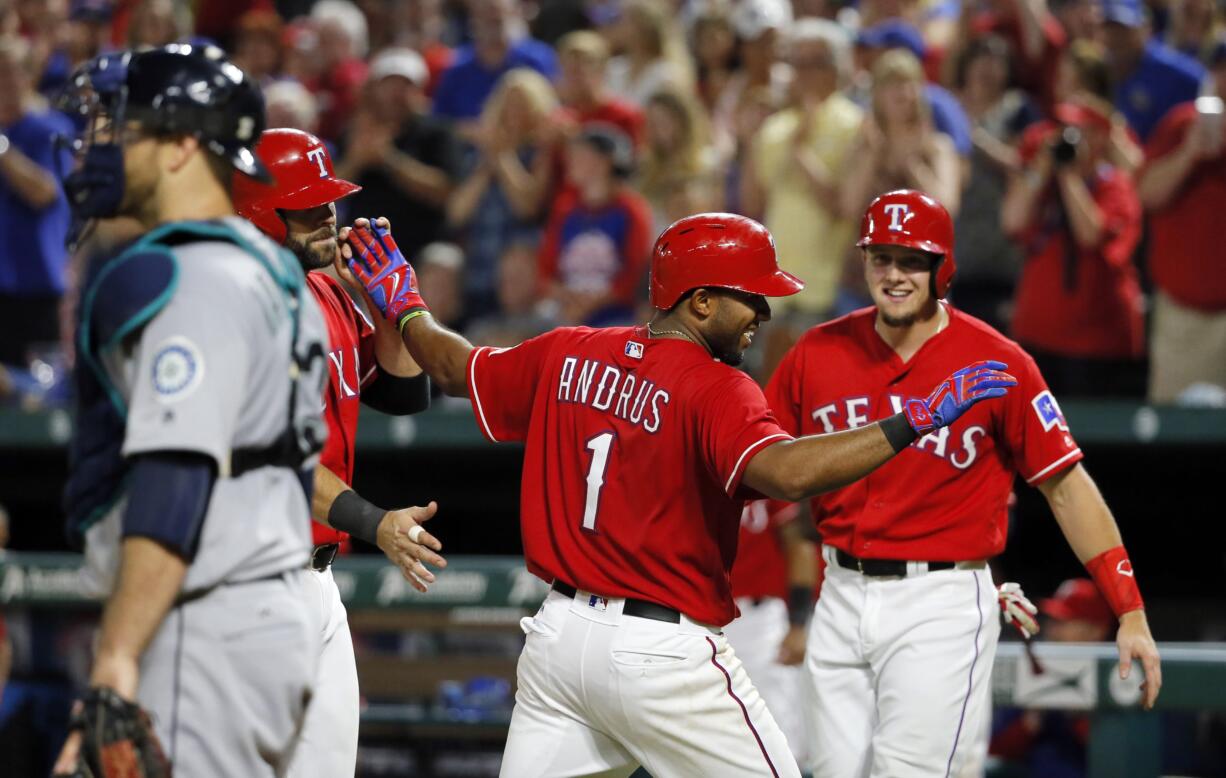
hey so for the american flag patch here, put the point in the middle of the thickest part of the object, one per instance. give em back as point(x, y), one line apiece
point(634, 349)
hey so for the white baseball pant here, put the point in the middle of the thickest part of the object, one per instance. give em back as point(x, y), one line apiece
point(601, 693)
point(901, 671)
point(328, 746)
point(755, 636)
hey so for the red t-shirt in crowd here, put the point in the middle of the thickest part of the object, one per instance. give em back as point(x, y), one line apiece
point(944, 498)
point(760, 569)
point(634, 450)
point(1185, 244)
point(351, 363)
point(1081, 302)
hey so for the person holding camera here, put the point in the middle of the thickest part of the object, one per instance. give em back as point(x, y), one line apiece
point(1078, 220)
point(1182, 187)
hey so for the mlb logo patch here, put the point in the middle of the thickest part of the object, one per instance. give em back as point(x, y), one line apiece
point(596, 602)
point(634, 349)
point(1049, 412)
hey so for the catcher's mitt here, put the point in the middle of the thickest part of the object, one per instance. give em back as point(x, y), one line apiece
point(117, 739)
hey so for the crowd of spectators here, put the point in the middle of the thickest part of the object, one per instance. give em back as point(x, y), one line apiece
point(527, 153)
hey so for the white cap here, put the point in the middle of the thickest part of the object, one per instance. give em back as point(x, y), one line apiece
point(751, 18)
point(402, 62)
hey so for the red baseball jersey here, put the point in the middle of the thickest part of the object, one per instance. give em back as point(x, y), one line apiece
point(944, 498)
point(761, 568)
point(351, 363)
point(633, 457)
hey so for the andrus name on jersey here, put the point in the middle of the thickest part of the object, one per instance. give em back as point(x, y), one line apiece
point(611, 390)
point(851, 412)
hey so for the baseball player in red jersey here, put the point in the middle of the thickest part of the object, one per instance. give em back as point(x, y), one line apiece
point(904, 633)
point(641, 445)
point(367, 364)
point(774, 578)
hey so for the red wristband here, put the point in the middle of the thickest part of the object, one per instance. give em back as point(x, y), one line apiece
point(1112, 572)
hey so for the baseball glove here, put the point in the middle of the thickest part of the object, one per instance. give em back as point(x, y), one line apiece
point(1017, 610)
point(117, 739)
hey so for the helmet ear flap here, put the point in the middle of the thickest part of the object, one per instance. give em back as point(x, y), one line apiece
point(270, 222)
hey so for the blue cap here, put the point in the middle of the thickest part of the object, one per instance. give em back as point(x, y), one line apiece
point(892, 34)
point(1126, 12)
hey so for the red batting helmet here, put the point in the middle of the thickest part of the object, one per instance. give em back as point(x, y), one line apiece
point(906, 217)
point(716, 250)
point(303, 178)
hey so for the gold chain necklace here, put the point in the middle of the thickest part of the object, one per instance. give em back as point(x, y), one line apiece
point(658, 333)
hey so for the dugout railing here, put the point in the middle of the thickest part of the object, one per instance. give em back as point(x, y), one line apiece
point(489, 594)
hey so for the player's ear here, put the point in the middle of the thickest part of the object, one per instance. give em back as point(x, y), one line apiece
point(701, 303)
point(179, 150)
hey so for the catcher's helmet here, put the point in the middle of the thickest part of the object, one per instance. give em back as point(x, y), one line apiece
point(303, 178)
point(907, 217)
point(179, 88)
point(716, 250)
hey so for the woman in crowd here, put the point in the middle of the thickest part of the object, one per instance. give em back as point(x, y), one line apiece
point(898, 147)
point(713, 42)
point(652, 53)
point(988, 262)
point(678, 170)
point(508, 178)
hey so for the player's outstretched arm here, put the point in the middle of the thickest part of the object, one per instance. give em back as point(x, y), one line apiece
point(798, 469)
point(390, 286)
point(397, 533)
point(1091, 531)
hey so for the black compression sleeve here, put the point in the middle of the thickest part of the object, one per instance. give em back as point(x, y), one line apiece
point(397, 396)
point(350, 513)
point(898, 431)
point(168, 497)
point(800, 605)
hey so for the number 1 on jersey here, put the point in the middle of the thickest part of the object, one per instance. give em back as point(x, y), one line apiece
point(599, 446)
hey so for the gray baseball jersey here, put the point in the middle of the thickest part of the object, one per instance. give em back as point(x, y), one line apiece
point(212, 373)
point(228, 675)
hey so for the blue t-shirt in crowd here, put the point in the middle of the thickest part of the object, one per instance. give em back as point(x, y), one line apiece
point(32, 254)
point(1163, 79)
point(949, 117)
point(464, 86)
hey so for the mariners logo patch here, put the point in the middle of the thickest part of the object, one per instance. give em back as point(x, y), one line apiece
point(634, 350)
point(178, 369)
point(1049, 412)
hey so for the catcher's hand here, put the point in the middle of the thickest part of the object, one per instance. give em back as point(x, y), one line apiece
point(1017, 610)
point(113, 738)
point(956, 394)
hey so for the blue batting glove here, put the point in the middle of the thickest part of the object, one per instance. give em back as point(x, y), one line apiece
point(956, 394)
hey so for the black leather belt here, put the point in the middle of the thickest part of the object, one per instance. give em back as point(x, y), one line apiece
point(322, 556)
point(882, 568)
point(638, 608)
